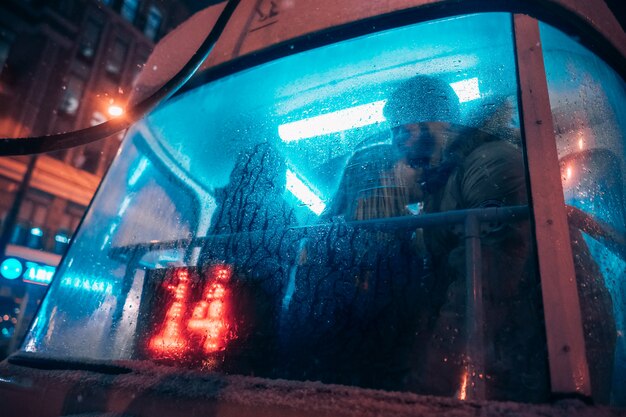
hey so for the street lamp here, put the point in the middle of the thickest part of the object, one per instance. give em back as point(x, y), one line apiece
point(115, 111)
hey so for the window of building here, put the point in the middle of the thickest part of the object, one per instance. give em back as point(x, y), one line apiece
point(90, 39)
point(67, 8)
point(75, 213)
point(142, 58)
point(129, 9)
point(88, 157)
point(30, 228)
point(66, 226)
point(73, 92)
point(7, 190)
point(97, 118)
point(116, 58)
point(21, 229)
point(5, 47)
point(153, 24)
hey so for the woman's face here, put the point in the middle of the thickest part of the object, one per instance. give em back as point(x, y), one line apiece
point(410, 178)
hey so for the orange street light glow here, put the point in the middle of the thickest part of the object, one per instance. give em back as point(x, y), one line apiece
point(115, 110)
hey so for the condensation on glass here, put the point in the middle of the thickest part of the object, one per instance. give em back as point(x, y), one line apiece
point(285, 221)
point(587, 99)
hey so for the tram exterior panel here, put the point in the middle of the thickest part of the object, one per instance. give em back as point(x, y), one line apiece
point(416, 205)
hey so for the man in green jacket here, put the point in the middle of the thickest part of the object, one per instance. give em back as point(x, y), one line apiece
point(462, 168)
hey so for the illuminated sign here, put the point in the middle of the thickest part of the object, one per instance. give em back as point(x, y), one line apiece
point(34, 273)
point(191, 325)
point(171, 339)
point(11, 268)
point(207, 319)
point(38, 274)
point(30, 272)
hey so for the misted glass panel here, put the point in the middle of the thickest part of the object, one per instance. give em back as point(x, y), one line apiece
point(587, 99)
point(322, 217)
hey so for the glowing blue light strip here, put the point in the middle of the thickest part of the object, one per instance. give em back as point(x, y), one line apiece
point(466, 90)
point(143, 164)
point(345, 119)
point(88, 284)
point(303, 193)
point(36, 231)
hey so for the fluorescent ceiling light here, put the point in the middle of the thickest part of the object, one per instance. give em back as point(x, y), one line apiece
point(345, 119)
point(303, 193)
point(347, 80)
point(467, 90)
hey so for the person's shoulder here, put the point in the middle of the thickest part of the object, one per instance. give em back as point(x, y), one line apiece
point(464, 140)
point(499, 149)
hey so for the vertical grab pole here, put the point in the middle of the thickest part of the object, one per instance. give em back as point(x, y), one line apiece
point(569, 373)
point(474, 312)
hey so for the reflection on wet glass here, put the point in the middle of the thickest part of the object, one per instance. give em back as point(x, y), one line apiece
point(348, 202)
point(75, 67)
point(587, 100)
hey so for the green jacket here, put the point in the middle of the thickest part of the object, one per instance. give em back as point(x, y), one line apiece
point(481, 170)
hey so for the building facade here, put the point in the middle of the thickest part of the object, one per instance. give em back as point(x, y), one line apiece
point(64, 65)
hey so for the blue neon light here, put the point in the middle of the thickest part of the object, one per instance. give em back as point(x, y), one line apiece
point(38, 274)
point(303, 193)
point(87, 284)
point(338, 121)
point(36, 231)
point(11, 268)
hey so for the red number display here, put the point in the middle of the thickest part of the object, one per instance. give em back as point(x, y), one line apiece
point(204, 327)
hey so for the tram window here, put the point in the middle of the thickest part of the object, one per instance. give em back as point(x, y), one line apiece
point(284, 221)
point(588, 99)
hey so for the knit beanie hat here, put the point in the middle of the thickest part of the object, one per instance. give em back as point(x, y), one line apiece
point(422, 99)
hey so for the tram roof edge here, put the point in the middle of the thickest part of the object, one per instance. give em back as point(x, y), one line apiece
point(259, 25)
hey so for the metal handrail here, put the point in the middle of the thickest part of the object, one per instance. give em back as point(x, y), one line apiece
point(425, 221)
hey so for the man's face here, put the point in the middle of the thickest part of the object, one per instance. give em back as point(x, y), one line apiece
point(420, 143)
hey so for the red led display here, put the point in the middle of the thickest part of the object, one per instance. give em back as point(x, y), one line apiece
point(171, 338)
point(197, 318)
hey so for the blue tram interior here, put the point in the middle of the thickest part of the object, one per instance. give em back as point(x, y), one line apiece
point(242, 173)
